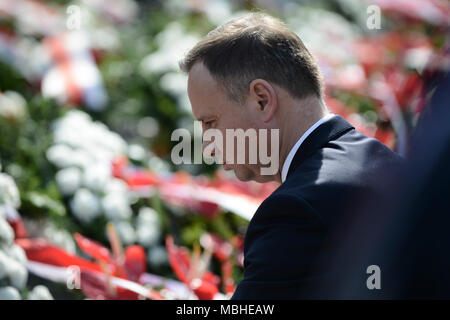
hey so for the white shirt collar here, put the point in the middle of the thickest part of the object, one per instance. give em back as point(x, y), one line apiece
point(290, 156)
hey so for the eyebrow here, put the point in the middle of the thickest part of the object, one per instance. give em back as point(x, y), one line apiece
point(202, 119)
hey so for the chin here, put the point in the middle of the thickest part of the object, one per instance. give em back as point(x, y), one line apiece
point(248, 175)
point(244, 175)
point(263, 179)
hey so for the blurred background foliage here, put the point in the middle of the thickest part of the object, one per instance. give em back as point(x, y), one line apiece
point(121, 71)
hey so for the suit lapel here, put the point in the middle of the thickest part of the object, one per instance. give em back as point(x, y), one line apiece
point(324, 133)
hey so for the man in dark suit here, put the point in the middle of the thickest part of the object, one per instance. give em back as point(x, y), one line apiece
point(255, 73)
point(409, 239)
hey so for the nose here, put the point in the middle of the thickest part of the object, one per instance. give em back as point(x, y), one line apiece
point(205, 144)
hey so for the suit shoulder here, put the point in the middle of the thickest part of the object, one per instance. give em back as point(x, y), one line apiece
point(284, 207)
point(340, 174)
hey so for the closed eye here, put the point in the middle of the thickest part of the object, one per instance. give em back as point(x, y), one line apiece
point(208, 124)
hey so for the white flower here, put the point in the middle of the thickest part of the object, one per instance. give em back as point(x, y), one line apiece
point(64, 123)
point(137, 152)
point(17, 253)
point(97, 136)
point(417, 58)
point(96, 177)
point(116, 206)
point(116, 185)
point(59, 237)
point(70, 136)
point(158, 165)
point(114, 143)
point(13, 270)
point(148, 235)
point(322, 31)
point(12, 105)
point(68, 180)
point(77, 116)
point(167, 56)
point(78, 130)
point(9, 194)
point(60, 155)
point(40, 293)
point(105, 38)
point(174, 83)
point(6, 232)
point(17, 273)
point(125, 232)
point(217, 11)
point(81, 159)
point(148, 227)
point(147, 215)
point(100, 155)
point(85, 205)
point(148, 127)
point(3, 264)
point(9, 293)
point(157, 256)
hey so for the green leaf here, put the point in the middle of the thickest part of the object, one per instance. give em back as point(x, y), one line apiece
point(44, 202)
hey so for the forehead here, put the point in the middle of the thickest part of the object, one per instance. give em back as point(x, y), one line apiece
point(206, 96)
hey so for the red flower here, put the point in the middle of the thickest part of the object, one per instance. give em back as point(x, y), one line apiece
point(202, 283)
point(98, 279)
point(135, 262)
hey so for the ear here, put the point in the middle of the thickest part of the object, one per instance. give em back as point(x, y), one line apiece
point(263, 98)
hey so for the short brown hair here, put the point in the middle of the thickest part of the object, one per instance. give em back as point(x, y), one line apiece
point(255, 46)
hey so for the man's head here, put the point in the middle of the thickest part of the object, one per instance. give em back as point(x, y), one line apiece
point(254, 72)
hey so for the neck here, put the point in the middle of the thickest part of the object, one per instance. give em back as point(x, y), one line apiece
point(297, 119)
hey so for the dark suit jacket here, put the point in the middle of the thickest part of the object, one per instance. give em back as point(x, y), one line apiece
point(286, 245)
point(411, 240)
